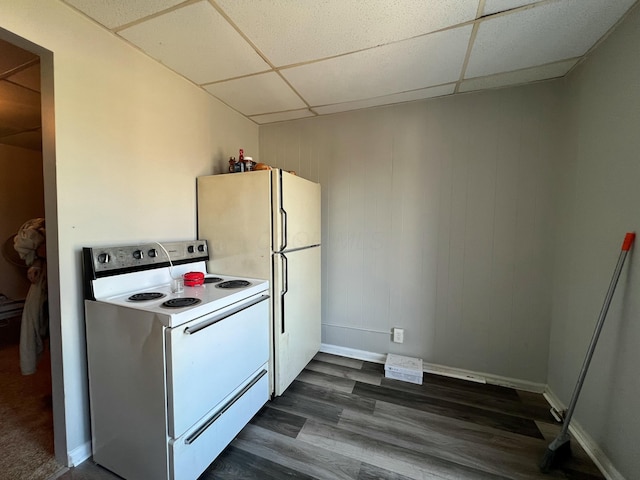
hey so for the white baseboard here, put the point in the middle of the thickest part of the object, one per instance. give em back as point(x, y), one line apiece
point(79, 454)
point(483, 377)
point(585, 440)
point(353, 353)
point(478, 377)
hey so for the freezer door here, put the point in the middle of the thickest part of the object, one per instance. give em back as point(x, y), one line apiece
point(296, 305)
point(234, 216)
point(296, 212)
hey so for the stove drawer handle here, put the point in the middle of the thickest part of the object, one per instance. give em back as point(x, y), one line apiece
point(213, 320)
point(192, 438)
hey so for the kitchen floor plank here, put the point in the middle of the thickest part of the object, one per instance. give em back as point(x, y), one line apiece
point(373, 367)
point(499, 440)
point(279, 421)
point(364, 376)
point(387, 454)
point(338, 360)
point(307, 407)
point(294, 454)
point(235, 463)
point(327, 381)
point(478, 415)
point(507, 401)
point(331, 397)
point(371, 472)
point(469, 386)
point(455, 448)
point(341, 419)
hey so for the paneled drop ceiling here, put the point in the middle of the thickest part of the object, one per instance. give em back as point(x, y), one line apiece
point(19, 97)
point(275, 60)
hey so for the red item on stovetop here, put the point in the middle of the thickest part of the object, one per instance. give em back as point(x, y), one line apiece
point(193, 279)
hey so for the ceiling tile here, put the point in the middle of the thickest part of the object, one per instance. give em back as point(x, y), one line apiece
point(544, 34)
point(388, 99)
point(196, 42)
point(114, 13)
point(264, 93)
point(526, 75)
point(293, 31)
point(29, 77)
point(13, 57)
point(422, 62)
point(495, 6)
point(282, 116)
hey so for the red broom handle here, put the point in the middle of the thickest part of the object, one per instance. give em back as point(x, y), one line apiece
point(626, 246)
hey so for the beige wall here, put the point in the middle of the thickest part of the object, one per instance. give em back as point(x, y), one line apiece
point(130, 138)
point(437, 218)
point(600, 202)
point(21, 198)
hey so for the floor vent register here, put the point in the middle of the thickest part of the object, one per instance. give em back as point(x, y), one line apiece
point(406, 369)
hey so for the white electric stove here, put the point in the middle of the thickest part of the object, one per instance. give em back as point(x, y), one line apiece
point(174, 374)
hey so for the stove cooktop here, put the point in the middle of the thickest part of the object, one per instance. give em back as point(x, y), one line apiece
point(173, 309)
point(138, 277)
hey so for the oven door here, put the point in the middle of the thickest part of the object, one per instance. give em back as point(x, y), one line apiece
point(209, 357)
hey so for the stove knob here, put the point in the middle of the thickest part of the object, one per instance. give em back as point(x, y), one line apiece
point(152, 253)
point(138, 254)
point(190, 249)
point(104, 258)
point(201, 248)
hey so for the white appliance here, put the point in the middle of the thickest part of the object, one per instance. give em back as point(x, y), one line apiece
point(266, 224)
point(173, 375)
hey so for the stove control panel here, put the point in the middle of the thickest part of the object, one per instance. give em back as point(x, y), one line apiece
point(102, 261)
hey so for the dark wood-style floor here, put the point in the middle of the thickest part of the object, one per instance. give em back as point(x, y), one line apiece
point(341, 419)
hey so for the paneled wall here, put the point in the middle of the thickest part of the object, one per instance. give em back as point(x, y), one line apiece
point(600, 201)
point(437, 218)
point(21, 198)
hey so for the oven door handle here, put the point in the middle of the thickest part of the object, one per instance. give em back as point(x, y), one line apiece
point(194, 436)
point(218, 318)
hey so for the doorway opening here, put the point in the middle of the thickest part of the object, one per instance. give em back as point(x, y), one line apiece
point(27, 401)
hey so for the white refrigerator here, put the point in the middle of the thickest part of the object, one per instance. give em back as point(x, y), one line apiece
point(266, 224)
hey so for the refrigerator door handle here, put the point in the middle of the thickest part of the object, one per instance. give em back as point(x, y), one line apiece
point(283, 214)
point(285, 289)
point(283, 243)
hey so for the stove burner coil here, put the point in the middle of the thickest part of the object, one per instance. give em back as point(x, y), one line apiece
point(181, 302)
point(233, 284)
point(212, 279)
point(141, 297)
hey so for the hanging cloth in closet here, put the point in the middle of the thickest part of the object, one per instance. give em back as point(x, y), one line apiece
point(35, 321)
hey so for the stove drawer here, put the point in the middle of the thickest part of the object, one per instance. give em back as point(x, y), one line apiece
point(192, 453)
point(210, 357)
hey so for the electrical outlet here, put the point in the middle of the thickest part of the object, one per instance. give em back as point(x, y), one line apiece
point(398, 335)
